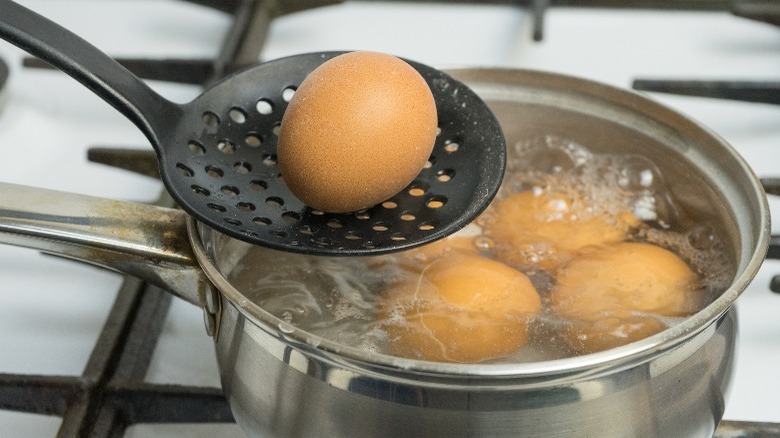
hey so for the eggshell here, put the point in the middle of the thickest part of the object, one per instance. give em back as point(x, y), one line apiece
point(461, 308)
point(357, 131)
point(614, 294)
point(547, 229)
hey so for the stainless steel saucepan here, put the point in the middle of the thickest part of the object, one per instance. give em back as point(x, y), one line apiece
point(281, 381)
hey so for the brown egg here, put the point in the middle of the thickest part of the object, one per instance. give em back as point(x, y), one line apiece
point(460, 308)
point(546, 229)
point(612, 294)
point(357, 131)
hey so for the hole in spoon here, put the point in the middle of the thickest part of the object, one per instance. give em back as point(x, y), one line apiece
point(291, 216)
point(226, 146)
point(253, 140)
point(217, 207)
point(264, 221)
point(258, 185)
point(264, 107)
point(210, 119)
point(237, 115)
point(242, 167)
point(288, 93)
point(269, 160)
point(214, 172)
point(200, 190)
point(229, 191)
point(274, 201)
point(436, 202)
point(451, 146)
point(445, 175)
point(196, 148)
point(245, 206)
point(184, 170)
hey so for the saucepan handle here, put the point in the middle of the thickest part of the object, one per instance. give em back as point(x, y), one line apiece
point(142, 240)
point(104, 76)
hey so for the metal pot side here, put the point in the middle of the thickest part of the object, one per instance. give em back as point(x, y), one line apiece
point(277, 390)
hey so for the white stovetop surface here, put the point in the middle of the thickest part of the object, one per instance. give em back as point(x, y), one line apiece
point(51, 310)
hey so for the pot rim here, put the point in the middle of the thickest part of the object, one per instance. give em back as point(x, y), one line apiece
point(635, 352)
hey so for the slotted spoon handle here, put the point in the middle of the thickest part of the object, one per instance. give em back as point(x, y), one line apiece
point(63, 49)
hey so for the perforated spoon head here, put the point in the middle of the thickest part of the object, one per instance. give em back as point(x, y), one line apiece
point(218, 153)
point(220, 164)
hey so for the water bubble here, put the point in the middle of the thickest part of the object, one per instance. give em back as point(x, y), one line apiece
point(646, 178)
point(702, 237)
point(636, 173)
point(286, 328)
point(484, 243)
point(644, 208)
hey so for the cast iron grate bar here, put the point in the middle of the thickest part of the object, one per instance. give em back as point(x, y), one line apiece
point(111, 389)
point(746, 91)
point(47, 395)
point(747, 429)
point(141, 161)
point(241, 47)
point(764, 11)
point(755, 10)
point(185, 71)
point(3, 74)
point(772, 187)
point(138, 311)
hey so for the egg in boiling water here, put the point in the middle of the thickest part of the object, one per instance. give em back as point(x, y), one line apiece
point(545, 229)
point(461, 307)
point(357, 131)
point(614, 294)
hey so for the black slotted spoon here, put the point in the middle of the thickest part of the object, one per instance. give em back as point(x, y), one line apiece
point(218, 153)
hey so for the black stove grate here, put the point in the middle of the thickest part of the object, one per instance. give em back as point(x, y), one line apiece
point(3, 74)
point(111, 394)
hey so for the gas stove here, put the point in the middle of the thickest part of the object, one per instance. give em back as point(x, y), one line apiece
point(87, 351)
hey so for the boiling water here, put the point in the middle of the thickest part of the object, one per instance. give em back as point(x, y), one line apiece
point(336, 298)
